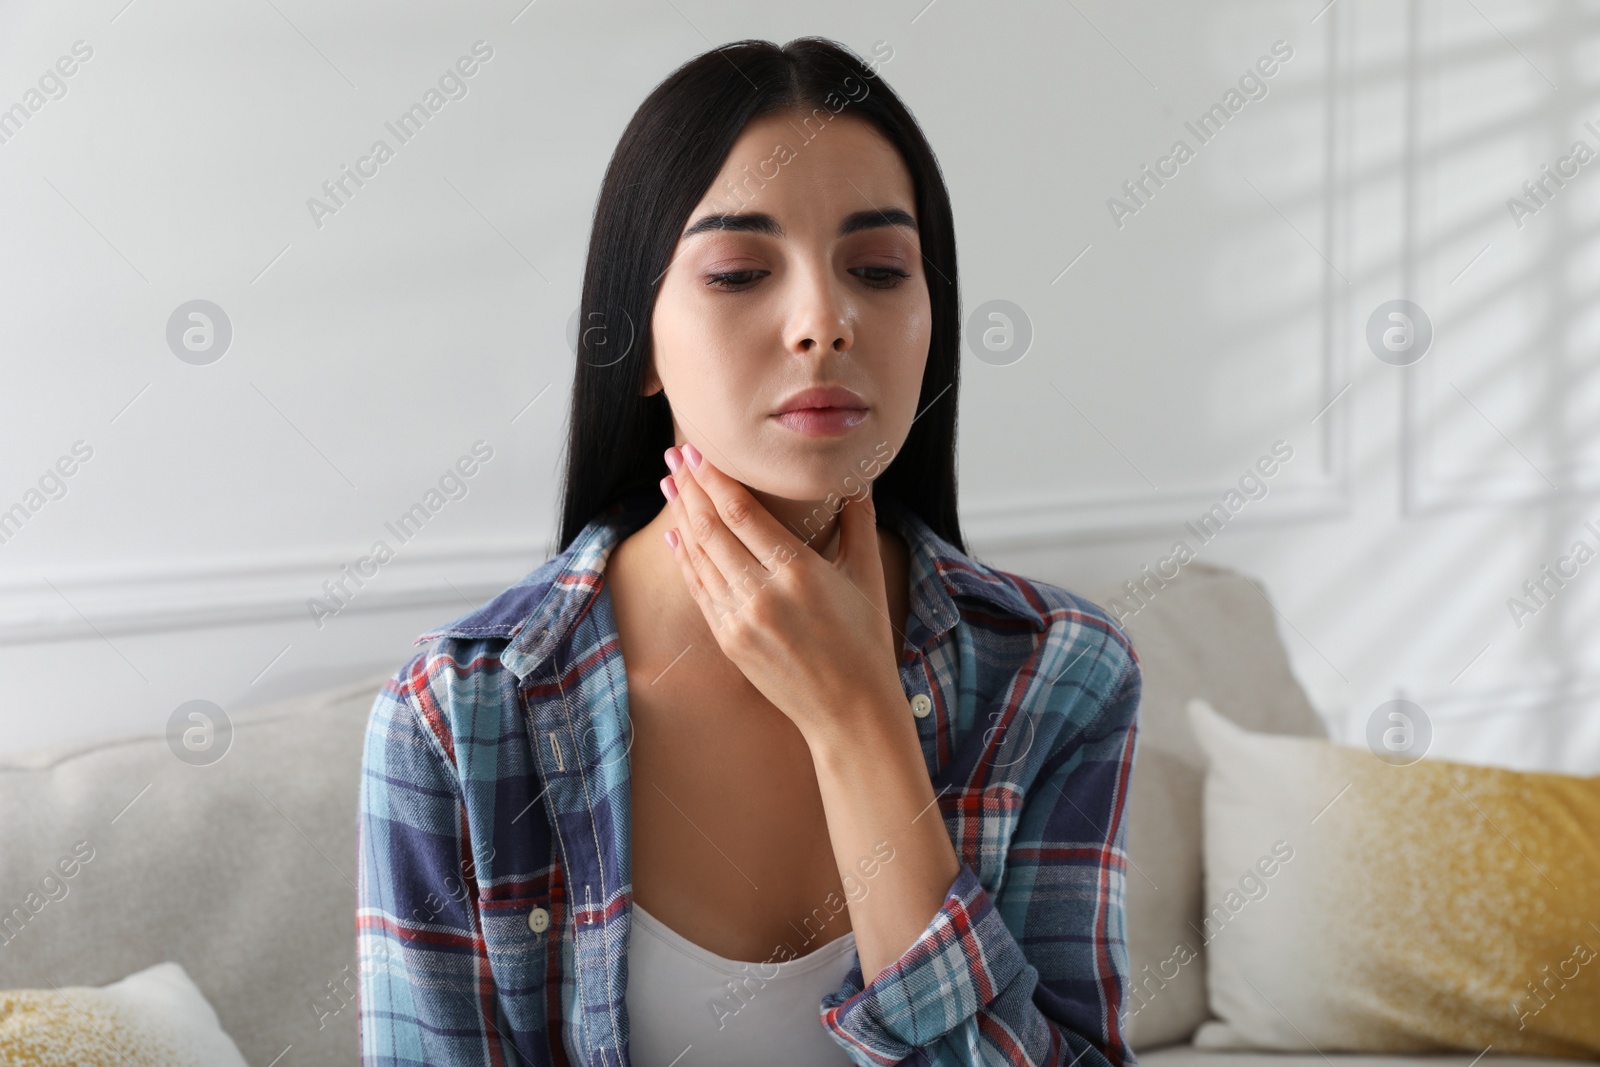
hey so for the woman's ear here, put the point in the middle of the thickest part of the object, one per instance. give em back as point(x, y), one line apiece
point(652, 384)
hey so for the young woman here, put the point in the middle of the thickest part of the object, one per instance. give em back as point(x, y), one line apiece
point(762, 768)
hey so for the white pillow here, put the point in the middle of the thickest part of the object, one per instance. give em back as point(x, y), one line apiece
point(1208, 632)
point(155, 1018)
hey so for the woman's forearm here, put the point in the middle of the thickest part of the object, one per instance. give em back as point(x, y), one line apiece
point(875, 789)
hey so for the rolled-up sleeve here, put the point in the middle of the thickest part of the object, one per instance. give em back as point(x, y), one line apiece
point(1037, 973)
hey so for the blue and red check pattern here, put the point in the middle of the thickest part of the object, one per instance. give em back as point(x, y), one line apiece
point(495, 787)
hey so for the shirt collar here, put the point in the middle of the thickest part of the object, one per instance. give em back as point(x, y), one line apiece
point(537, 613)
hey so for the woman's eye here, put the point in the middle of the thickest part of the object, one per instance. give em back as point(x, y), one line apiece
point(733, 280)
point(884, 277)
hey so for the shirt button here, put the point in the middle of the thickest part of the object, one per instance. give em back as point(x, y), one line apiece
point(921, 705)
point(538, 920)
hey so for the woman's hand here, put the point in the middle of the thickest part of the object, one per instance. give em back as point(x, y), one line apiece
point(813, 635)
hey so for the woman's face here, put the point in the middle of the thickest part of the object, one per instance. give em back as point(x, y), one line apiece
point(816, 280)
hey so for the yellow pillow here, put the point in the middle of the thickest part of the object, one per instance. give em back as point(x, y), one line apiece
point(1355, 905)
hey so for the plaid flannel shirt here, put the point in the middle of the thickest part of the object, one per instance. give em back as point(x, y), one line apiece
point(495, 893)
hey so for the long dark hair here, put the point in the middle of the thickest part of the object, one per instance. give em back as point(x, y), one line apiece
point(665, 160)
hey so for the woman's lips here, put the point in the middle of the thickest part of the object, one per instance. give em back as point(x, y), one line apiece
point(823, 422)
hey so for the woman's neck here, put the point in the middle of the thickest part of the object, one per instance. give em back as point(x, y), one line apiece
point(646, 565)
point(814, 522)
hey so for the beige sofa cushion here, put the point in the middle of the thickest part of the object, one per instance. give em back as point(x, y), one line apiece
point(1207, 633)
point(242, 871)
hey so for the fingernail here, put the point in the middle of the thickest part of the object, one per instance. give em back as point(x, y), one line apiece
point(692, 454)
point(672, 538)
point(674, 458)
point(669, 489)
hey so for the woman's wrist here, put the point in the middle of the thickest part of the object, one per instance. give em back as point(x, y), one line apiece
point(868, 726)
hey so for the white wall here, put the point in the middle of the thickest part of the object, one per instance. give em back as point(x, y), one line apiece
point(1169, 352)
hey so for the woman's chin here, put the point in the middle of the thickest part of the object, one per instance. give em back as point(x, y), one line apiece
point(827, 488)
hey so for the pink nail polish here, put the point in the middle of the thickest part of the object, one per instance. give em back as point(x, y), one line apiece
point(692, 454)
point(669, 489)
point(674, 458)
point(672, 538)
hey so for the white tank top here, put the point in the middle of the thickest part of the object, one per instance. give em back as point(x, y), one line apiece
point(688, 1007)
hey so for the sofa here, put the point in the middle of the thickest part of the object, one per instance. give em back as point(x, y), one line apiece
point(244, 870)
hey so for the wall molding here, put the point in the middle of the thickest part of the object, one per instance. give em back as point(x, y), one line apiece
point(1029, 521)
point(1033, 521)
point(163, 597)
point(1512, 481)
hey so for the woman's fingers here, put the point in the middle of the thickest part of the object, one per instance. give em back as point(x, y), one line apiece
point(745, 534)
point(710, 587)
point(708, 536)
point(691, 577)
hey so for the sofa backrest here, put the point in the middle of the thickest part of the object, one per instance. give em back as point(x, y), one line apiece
point(1210, 632)
point(243, 871)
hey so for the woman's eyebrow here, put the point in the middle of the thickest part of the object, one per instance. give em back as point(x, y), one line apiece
point(762, 223)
